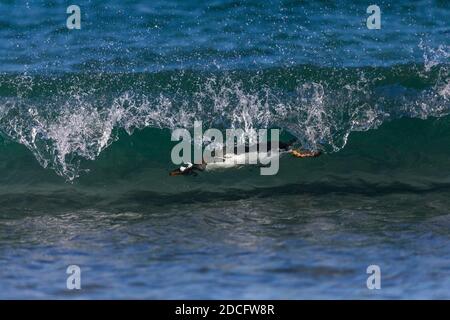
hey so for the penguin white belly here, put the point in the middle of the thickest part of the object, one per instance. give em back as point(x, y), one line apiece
point(236, 160)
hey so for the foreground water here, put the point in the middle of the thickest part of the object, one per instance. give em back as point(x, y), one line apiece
point(286, 246)
point(85, 122)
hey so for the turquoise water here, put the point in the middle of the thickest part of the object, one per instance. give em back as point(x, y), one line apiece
point(85, 123)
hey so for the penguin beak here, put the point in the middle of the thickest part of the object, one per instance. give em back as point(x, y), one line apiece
point(175, 172)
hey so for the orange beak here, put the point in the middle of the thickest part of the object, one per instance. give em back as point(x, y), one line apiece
point(175, 172)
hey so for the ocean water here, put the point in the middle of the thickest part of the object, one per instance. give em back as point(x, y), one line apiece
point(85, 123)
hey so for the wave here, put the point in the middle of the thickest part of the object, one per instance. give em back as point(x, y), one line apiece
point(66, 119)
point(407, 155)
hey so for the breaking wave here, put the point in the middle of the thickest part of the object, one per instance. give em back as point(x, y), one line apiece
point(67, 118)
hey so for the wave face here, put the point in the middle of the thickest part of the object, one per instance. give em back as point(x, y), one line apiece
point(69, 118)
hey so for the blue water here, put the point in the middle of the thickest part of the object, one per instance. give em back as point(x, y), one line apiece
point(85, 122)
